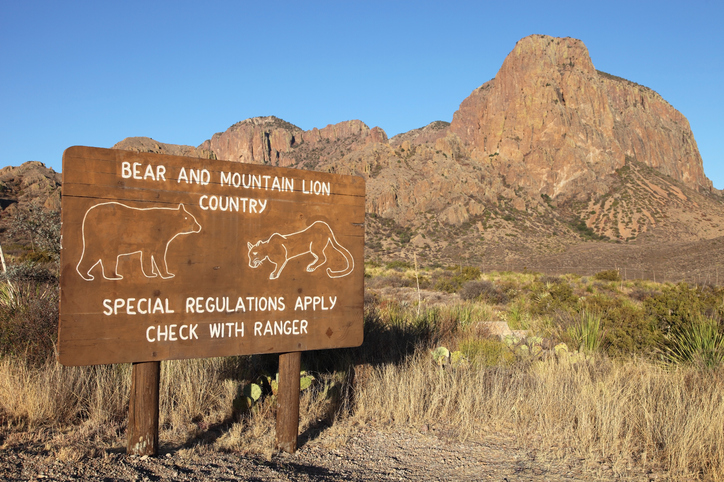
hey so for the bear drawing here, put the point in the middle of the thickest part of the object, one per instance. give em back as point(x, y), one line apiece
point(112, 230)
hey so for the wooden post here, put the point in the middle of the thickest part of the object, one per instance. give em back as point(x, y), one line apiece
point(143, 409)
point(288, 401)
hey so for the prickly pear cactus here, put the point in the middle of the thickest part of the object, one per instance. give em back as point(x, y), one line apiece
point(305, 381)
point(253, 391)
point(440, 355)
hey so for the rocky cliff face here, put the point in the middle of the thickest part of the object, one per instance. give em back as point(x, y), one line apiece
point(551, 123)
point(272, 141)
point(542, 151)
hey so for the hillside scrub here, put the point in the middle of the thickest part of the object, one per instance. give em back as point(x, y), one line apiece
point(628, 372)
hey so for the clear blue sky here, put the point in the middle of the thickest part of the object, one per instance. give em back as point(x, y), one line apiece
point(95, 72)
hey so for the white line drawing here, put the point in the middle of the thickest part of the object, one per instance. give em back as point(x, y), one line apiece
point(112, 230)
point(313, 239)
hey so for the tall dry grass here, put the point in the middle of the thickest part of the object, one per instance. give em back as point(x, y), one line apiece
point(51, 394)
point(628, 412)
point(197, 394)
point(194, 395)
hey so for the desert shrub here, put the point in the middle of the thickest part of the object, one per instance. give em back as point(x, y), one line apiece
point(608, 275)
point(563, 293)
point(641, 294)
point(482, 290)
point(32, 272)
point(469, 273)
point(371, 300)
point(680, 305)
point(40, 226)
point(448, 285)
point(486, 352)
point(554, 298)
point(30, 330)
point(390, 281)
point(627, 328)
point(399, 265)
point(548, 279)
point(423, 281)
point(29, 298)
point(443, 280)
point(451, 281)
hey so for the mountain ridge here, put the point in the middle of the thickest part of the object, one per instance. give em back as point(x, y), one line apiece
point(547, 156)
point(550, 148)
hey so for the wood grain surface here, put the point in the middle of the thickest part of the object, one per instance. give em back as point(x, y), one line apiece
point(167, 257)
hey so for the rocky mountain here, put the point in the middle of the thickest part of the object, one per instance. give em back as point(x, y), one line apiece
point(547, 154)
point(546, 157)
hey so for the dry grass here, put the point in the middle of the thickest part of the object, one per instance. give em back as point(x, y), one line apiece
point(197, 394)
point(319, 408)
point(625, 413)
point(52, 394)
point(76, 411)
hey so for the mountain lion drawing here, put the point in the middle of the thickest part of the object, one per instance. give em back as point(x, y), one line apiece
point(314, 239)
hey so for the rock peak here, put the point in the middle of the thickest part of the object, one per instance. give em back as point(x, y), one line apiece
point(551, 124)
point(541, 52)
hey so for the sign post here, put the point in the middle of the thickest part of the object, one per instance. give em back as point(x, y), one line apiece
point(288, 402)
point(143, 409)
point(166, 257)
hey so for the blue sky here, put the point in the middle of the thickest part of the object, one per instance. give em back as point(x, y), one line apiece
point(93, 73)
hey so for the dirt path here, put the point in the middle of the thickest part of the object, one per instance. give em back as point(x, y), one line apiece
point(367, 455)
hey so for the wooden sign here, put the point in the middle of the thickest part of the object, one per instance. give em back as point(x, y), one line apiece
point(167, 257)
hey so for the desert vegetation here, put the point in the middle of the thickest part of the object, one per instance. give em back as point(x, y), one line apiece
point(597, 368)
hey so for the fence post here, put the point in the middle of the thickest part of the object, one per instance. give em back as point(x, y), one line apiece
point(288, 401)
point(143, 409)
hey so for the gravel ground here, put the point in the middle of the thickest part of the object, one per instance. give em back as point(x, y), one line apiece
point(368, 454)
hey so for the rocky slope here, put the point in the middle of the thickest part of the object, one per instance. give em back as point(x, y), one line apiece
point(30, 182)
point(548, 153)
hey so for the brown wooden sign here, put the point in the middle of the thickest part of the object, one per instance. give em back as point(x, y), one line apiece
point(167, 257)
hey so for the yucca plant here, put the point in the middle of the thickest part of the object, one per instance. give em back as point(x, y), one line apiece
point(698, 342)
point(587, 333)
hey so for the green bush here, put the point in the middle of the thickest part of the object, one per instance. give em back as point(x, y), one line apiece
point(452, 282)
point(448, 285)
point(608, 275)
point(681, 305)
point(627, 328)
point(553, 298)
point(40, 226)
